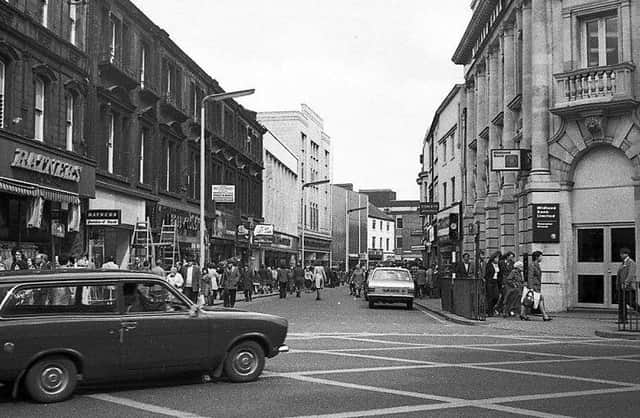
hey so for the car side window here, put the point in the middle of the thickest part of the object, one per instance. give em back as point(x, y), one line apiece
point(57, 300)
point(151, 297)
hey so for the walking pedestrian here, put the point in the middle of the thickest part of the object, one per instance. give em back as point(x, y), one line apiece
point(204, 294)
point(535, 287)
point(512, 290)
point(157, 269)
point(19, 263)
point(247, 283)
point(298, 278)
point(215, 283)
point(265, 276)
point(320, 278)
point(491, 277)
point(191, 274)
point(358, 278)
point(421, 281)
point(283, 280)
point(627, 284)
point(230, 280)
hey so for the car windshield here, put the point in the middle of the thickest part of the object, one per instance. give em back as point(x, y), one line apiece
point(391, 275)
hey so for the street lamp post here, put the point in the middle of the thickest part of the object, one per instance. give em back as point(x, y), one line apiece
point(216, 97)
point(304, 186)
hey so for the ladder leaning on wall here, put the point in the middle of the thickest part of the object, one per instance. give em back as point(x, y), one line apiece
point(169, 246)
point(141, 242)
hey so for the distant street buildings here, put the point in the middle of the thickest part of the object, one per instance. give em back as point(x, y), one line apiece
point(546, 140)
point(348, 204)
point(382, 235)
point(302, 131)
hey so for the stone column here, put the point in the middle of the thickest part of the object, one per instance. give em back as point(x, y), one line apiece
point(540, 88)
point(525, 142)
point(507, 202)
point(481, 148)
point(491, 200)
point(470, 171)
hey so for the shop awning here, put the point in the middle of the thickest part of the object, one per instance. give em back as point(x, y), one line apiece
point(24, 188)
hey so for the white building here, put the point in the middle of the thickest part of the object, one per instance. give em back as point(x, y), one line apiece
point(281, 201)
point(302, 131)
point(381, 232)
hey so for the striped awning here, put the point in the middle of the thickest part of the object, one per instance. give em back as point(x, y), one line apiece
point(24, 188)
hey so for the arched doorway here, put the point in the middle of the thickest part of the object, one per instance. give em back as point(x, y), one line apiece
point(602, 203)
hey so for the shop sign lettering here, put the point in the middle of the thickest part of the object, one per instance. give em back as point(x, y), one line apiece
point(546, 223)
point(42, 164)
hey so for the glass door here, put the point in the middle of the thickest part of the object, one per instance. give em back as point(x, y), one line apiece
point(597, 263)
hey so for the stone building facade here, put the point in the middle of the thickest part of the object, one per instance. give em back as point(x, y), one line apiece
point(303, 132)
point(349, 210)
point(558, 79)
point(47, 177)
point(442, 178)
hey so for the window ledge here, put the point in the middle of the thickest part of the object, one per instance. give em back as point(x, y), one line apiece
point(112, 176)
point(171, 194)
point(145, 186)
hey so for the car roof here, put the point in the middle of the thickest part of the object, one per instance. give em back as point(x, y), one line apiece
point(65, 275)
point(391, 269)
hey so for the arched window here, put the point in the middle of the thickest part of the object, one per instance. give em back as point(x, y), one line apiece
point(39, 91)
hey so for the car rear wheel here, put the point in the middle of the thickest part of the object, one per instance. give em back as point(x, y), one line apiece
point(51, 379)
point(245, 362)
point(410, 305)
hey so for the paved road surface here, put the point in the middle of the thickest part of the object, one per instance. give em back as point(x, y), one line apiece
point(349, 361)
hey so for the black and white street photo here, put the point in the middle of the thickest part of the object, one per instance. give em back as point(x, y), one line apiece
point(305, 208)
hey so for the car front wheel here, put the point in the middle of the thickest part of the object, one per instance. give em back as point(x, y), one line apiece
point(51, 379)
point(245, 362)
point(410, 305)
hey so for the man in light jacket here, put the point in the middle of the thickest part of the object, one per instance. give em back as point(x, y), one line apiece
point(191, 274)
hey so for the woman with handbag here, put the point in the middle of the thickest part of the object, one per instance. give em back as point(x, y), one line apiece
point(531, 295)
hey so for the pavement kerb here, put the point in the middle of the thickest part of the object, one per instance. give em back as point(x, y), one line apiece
point(446, 315)
point(240, 297)
point(618, 334)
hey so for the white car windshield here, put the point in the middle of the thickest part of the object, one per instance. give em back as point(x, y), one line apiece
point(391, 275)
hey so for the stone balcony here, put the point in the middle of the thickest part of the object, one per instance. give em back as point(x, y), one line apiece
point(596, 89)
point(113, 69)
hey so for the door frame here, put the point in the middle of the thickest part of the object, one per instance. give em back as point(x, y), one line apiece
point(607, 274)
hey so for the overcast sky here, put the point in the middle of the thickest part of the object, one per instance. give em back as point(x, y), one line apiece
point(374, 70)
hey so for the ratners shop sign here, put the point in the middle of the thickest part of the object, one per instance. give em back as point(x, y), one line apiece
point(46, 165)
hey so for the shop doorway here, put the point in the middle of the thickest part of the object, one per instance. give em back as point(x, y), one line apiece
point(597, 261)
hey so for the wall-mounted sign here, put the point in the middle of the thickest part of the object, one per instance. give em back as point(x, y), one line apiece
point(510, 159)
point(223, 193)
point(242, 230)
point(546, 222)
point(429, 208)
point(103, 217)
point(46, 165)
point(263, 230)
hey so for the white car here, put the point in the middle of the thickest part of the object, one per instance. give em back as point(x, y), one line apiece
point(390, 285)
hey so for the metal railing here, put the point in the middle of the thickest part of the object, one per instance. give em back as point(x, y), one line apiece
point(628, 308)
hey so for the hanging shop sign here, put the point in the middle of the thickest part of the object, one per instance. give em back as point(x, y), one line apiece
point(222, 193)
point(104, 217)
point(40, 163)
point(429, 208)
point(510, 159)
point(263, 230)
point(546, 223)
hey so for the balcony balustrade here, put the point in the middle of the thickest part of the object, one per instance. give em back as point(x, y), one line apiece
point(608, 88)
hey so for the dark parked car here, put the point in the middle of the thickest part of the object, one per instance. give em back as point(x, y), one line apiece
point(59, 327)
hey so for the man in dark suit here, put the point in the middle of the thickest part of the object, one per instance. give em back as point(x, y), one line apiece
point(465, 268)
point(627, 284)
point(191, 274)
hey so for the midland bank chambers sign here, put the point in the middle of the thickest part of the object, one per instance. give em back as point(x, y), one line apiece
point(39, 163)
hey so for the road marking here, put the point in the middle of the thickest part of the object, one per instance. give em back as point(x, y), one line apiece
point(432, 316)
point(335, 353)
point(143, 406)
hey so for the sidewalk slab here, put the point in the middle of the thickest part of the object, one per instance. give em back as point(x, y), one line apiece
point(434, 306)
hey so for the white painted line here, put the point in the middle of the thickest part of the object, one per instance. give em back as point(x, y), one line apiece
point(143, 406)
point(521, 411)
point(432, 316)
point(371, 340)
point(560, 395)
point(401, 360)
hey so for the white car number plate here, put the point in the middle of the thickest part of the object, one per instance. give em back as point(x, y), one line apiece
point(392, 290)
